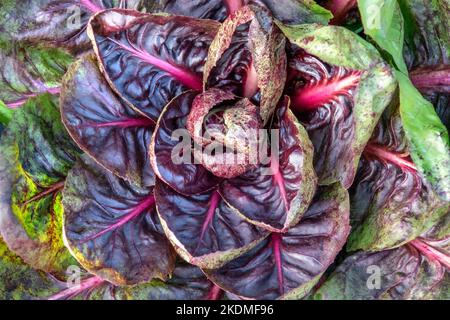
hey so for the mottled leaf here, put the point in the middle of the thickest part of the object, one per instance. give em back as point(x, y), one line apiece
point(172, 159)
point(36, 155)
point(340, 87)
point(277, 193)
point(391, 203)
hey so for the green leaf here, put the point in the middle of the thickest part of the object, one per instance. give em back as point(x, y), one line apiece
point(36, 155)
point(427, 136)
point(383, 22)
point(29, 71)
point(21, 282)
point(5, 114)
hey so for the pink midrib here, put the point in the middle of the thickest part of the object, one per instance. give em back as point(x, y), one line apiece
point(391, 157)
point(431, 252)
point(90, 6)
point(20, 102)
point(233, 5)
point(251, 82)
point(140, 208)
point(89, 283)
point(279, 180)
point(314, 96)
point(213, 203)
point(126, 123)
point(276, 246)
point(183, 76)
point(426, 79)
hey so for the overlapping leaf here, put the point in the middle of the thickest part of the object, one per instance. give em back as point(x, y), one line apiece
point(112, 227)
point(103, 125)
point(204, 230)
point(151, 59)
point(341, 99)
point(287, 265)
point(391, 203)
point(277, 193)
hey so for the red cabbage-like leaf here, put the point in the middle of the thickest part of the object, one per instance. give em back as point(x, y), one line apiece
point(248, 57)
point(104, 126)
point(204, 230)
point(276, 194)
point(392, 203)
point(227, 135)
point(151, 59)
point(59, 23)
point(203, 9)
point(323, 98)
point(340, 9)
point(185, 177)
point(112, 227)
point(287, 265)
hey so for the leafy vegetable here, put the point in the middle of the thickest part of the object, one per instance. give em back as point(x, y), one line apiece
point(427, 136)
point(391, 203)
point(287, 265)
point(36, 156)
point(340, 87)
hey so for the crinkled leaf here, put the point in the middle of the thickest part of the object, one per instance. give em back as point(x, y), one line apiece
point(204, 230)
point(287, 265)
point(277, 193)
point(391, 203)
point(104, 126)
point(203, 9)
point(172, 159)
point(343, 86)
point(226, 129)
point(26, 72)
point(397, 274)
point(248, 56)
point(36, 155)
point(151, 59)
point(112, 227)
point(54, 22)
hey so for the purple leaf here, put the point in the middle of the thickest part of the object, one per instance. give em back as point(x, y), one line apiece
point(151, 59)
point(102, 124)
point(204, 230)
point(287, 265)
point(112, 227)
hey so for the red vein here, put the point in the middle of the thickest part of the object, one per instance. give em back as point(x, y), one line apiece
point(86, 284)
point(54, 188)
point(20, 102)
point(315, 95)
point(393, 157)
point(90, 6)
point(215, 293)
point(213, 203)
point(251, 82)
point(276, 245)
point(185, 77)
point(437, 78)
point(140, 208)
point(431, 252)
point(279, 180)
point(126, 123)
point(233, 5)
